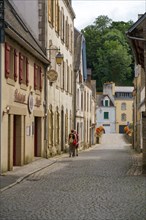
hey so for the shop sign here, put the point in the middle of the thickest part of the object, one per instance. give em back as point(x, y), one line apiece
point(19, 97)
point(30, 103)
point(52, 75)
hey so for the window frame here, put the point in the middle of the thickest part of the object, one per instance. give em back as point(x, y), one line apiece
point(104, 115)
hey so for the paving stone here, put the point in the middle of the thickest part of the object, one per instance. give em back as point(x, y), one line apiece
point(97, 185)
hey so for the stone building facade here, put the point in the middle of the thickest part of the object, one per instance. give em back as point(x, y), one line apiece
point(60, 35)
point(137, 38)
point(115, 107)
point(85, 96)
point(22, 94)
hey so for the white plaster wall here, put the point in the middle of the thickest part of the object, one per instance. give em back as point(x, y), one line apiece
point(100, 118)
point(57, 97)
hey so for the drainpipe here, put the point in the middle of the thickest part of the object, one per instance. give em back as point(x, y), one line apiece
point(1, 45)
point(46, 111)
point(2, 41)
point(74, 100)
point(144, 113)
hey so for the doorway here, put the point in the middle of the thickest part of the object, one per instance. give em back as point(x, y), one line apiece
point(17, 148)
point(62, 130)
point(37, 136)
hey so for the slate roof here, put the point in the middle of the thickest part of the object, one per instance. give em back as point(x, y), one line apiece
point(100, 99)
point(18, 29)
point(77, 48)
point(136, 36)
point(124, 89)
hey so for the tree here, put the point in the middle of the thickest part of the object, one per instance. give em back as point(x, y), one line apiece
point(108, 52)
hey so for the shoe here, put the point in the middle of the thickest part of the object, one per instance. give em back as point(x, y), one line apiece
point(76, 154)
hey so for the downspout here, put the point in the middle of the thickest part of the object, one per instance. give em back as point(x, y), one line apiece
point(1, 45)
point(74, 101)
point(46, 111)
point(144, 113)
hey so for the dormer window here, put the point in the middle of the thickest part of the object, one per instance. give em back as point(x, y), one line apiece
point(106, 103)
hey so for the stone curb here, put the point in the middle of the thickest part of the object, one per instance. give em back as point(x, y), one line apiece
point(25, 176)
point(56, 158)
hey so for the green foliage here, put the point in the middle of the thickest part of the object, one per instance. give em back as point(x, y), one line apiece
point(108, 52)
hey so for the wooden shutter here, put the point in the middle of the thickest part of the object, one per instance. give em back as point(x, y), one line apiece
point(49, 10)
point(7, 60)
point(20, 68)
point(35, 76)
point(27, 72)
point(40, 79)
point(15, 65)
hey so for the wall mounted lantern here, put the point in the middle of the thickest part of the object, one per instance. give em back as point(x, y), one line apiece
point(59, 57)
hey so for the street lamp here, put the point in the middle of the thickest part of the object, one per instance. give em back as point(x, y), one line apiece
point(59, 57)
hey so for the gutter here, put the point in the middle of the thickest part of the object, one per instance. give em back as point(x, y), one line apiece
point(46, 111)
point(30, 48)
point(136, 38)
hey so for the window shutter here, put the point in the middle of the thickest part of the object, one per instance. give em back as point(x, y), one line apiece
point(20, 68)
point(40, 79)
point(7, 60)
point(27, 72)
point(15, 65)
point(49, 10)
point(35, 76)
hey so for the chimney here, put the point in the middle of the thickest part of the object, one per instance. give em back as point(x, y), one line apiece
point(89, 75)
point(139, 16)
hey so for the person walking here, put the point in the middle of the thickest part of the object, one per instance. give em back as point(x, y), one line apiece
point(77, 142)
point(72, 143)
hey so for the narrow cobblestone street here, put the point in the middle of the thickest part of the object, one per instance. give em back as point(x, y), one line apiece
point(100, 184)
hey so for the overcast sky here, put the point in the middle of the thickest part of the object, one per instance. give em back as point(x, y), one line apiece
point(118, 10)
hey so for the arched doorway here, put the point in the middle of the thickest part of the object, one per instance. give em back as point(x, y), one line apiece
point(62, 129)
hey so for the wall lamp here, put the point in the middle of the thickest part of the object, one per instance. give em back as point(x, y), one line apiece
point(6, 111)
point(59, 57)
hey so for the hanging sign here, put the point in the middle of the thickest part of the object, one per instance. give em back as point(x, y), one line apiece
point(52, 75)
point(30, 103)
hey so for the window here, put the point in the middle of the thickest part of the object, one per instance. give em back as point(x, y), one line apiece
point(23, 70)
point(11, 65)
point(50, 126)
point(57, 127)
point(66, 126)
point(77, 99)
point(81, 101)
point(106, 103)
point(123, 106)
point(87, 102)
point(51, 11)
point(68, 77)
point(84, 100)
point(106, 115)
point(57, 16)
point(11, 62)
point(123, 117)
point(62, 25)
point(37, 78)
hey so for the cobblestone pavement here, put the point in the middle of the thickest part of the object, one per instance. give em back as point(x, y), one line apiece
point(99, 184)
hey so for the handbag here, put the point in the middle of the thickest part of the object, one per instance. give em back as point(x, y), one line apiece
point(74, 142)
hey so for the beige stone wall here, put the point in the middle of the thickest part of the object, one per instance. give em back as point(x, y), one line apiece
point(13, 108)
point(60, 92)
point(128, 112)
